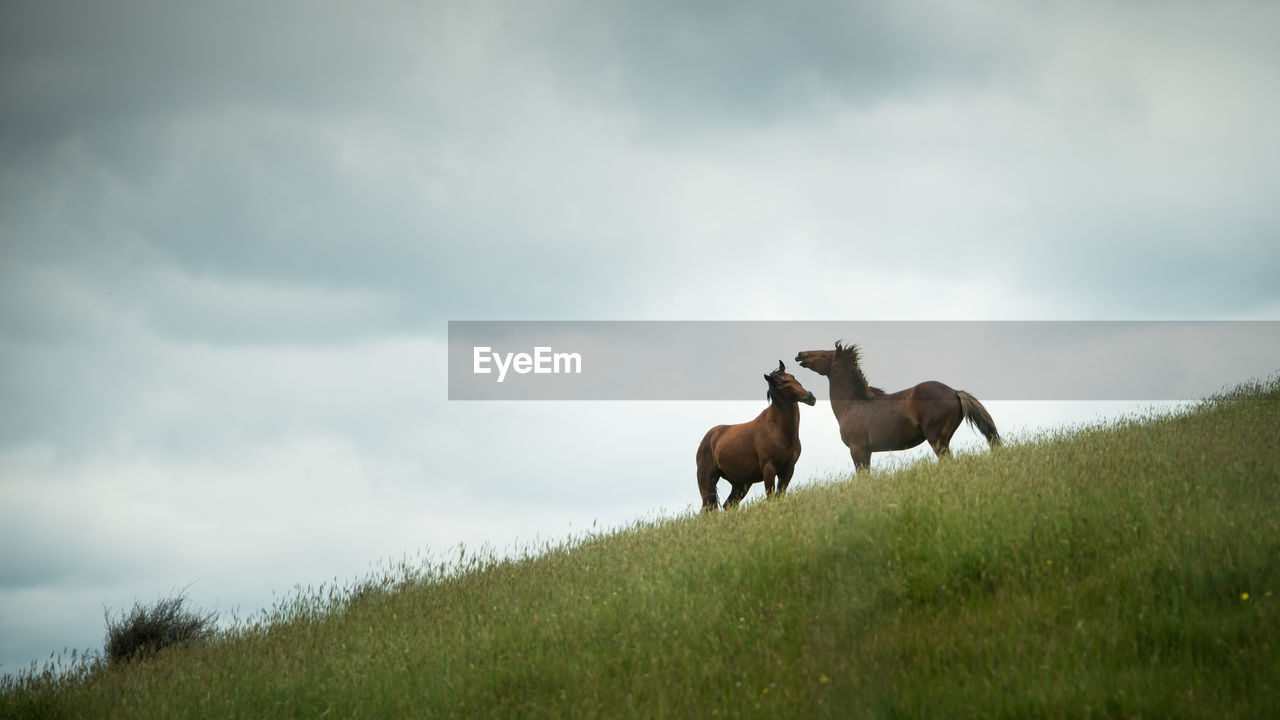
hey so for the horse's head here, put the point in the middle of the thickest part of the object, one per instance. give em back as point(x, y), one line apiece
point(845, 361)
point(846, 357)
point(818, 361)
point(841, 364)
point(784, 386)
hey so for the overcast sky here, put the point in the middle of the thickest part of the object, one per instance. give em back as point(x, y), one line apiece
point(232, 234)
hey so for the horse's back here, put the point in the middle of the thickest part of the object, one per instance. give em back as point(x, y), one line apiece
point(722, 439)
point(732, 450)
point(707, 445)
point(933, 391)
point(895, 421)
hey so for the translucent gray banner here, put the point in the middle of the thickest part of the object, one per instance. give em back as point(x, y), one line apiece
point(660, 360)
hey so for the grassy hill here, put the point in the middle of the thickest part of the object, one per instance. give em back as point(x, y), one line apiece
point(1122, 571)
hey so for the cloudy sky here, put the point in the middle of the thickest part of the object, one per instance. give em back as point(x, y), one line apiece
point(232, 235)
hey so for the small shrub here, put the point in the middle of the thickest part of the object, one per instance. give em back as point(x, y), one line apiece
point(144, 630)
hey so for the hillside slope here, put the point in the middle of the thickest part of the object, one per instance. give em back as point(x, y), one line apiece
point(1122, 571)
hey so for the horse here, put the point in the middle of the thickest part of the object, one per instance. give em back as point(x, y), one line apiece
point(755, 451)
point(872, 420)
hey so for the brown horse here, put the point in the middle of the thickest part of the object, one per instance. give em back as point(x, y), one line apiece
point(872, 420)
point(762, 449)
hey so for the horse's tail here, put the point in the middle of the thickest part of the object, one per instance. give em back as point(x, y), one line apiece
point(707, 475)
point(978, 417)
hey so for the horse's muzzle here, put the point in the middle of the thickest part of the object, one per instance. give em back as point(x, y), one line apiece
point(809, 399)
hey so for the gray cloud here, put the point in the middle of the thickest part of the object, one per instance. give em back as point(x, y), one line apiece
point(96, 70)
point(698, 67)
point(452, 160)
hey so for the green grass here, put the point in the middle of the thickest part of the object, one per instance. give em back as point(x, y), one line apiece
point(1125, 571)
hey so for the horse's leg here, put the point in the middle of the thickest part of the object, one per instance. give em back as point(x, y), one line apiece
point(861, 458)
point(708, 474)
point(939, 436)
point(735, 497)
point(784, 479)
point(769, 474)
point(707, 485)
point(940, 424)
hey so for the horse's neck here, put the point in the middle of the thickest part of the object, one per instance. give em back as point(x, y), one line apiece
point(841, 406)
point(788, 414)
point(848, 389)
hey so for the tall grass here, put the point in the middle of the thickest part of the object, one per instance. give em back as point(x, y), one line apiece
point(1109, 571)
point(146, 629)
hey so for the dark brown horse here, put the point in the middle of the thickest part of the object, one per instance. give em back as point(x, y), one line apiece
point(762, 449)
point(872, 420)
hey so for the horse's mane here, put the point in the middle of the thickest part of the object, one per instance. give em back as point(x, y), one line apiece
point(846, 362)
point(768, 394)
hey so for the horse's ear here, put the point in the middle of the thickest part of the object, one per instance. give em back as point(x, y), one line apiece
point(781, 367)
